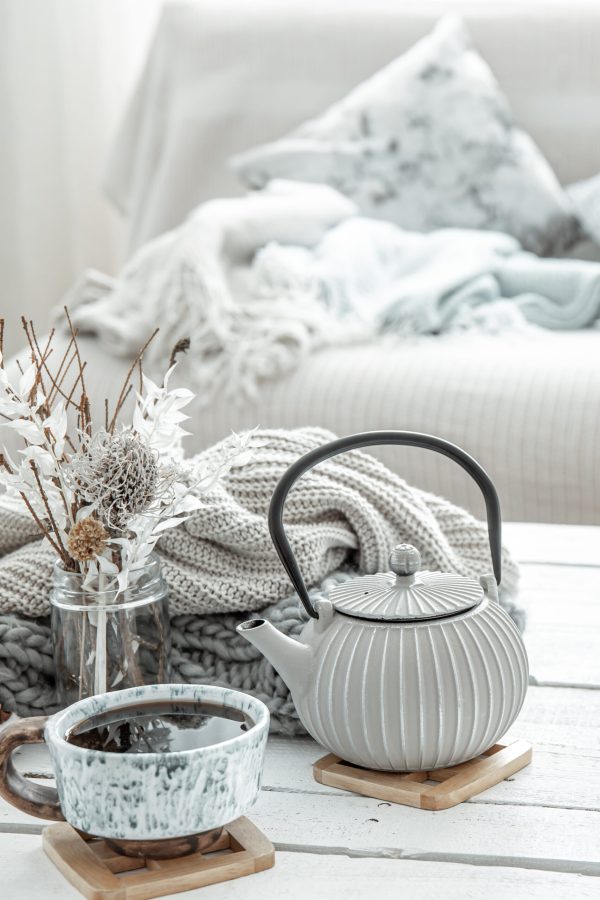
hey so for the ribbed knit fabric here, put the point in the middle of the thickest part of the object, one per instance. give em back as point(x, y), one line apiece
point(206, 650)
point(343, 516)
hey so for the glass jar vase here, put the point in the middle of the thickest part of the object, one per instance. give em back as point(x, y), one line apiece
point(105, 640)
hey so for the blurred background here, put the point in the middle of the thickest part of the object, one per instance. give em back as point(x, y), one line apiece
point(66, 69)
point(150, 104)
point(69, 67)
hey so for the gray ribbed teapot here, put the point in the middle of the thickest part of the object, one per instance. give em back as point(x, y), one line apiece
point(405, 670)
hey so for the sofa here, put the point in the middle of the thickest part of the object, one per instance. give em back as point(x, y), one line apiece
point(224, 75)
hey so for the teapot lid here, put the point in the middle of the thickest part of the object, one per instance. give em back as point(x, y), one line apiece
point(406, 594)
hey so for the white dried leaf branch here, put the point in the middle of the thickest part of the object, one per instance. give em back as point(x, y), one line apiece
point(102, 497)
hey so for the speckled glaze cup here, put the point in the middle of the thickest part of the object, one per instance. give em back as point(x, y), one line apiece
point(158, 804)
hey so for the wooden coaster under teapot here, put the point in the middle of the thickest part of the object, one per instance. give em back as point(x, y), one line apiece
point(438, 789)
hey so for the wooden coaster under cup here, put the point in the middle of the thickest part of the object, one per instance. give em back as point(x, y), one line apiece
point(100, 873)
point(439, 789)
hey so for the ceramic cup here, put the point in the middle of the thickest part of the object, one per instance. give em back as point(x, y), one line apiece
point(176, 801)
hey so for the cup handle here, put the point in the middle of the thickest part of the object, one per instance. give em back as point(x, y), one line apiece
point(35, 799)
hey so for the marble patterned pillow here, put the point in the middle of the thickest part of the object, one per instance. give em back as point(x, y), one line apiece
point(428, 142)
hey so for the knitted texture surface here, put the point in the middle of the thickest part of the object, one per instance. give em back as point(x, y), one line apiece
point(344, 516)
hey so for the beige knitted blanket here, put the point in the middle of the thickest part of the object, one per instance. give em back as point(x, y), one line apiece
point(350, 510)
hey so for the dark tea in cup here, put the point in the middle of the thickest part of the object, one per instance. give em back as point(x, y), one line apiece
point(162, 726)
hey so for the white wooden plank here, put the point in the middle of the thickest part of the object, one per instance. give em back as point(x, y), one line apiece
point(28, 874)
point(563, 624)
point(554, 778)
point(566, 544)
point(526, 836)
point(557, 595)
point(490, 834)
point(561, 723)
point(297, 876)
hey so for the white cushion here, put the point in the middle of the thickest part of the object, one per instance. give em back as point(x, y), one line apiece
point(428, 142)
point(226, 75)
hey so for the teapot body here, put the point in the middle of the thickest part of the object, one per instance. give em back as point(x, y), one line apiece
point(403, 670)
point(412, 696)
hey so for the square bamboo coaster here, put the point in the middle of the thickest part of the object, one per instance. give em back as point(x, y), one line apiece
point(100, 873)
point(439, 789)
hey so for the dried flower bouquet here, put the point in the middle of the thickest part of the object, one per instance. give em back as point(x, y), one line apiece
point(101, 496)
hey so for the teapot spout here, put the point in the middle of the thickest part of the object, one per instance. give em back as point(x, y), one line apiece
point(289, 657)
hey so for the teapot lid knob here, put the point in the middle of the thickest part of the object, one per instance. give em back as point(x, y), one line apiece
point(405, 559)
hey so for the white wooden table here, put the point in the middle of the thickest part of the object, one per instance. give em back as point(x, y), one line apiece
point(536, 835)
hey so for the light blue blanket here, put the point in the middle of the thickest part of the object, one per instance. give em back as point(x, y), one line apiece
point(259, 282)
point(406, 282)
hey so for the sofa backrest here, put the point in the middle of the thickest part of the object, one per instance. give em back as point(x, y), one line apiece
point(223, 75)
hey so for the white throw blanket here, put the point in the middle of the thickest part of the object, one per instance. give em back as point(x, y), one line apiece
point(258, 282)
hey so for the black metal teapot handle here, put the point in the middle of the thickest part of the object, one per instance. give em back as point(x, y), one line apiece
point(371, 439)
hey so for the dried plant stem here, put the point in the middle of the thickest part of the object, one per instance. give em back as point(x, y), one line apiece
point(85, 414)
point(41, 356)
point(182, 346)
point(82, 656)
point(126, 383)
point(45, 531)
point(62, 370)
point(85, 421)
point(163, 663)
point(47, 534)
point(40, 361)
point(56, 385)
point(127, 637)
point(61, 548)
point(36, 359)
point(73, 389)
point(74, 334)
point(100, 663)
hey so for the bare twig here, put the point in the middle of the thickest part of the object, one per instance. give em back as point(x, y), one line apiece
point(74, 333)
point(84, 405)
point(62, 550)
point(61, 372)
point(60, 378)
point(56, 389)
point(73, 389)
point(126, 383)
point(45, 531)
point(40, 363)
point(34, 359)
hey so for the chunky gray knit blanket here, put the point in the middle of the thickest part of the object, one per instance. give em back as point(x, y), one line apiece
point(342, 517)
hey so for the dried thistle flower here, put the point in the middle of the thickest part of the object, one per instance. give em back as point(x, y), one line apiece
point(118, 473)
point(87, 539)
